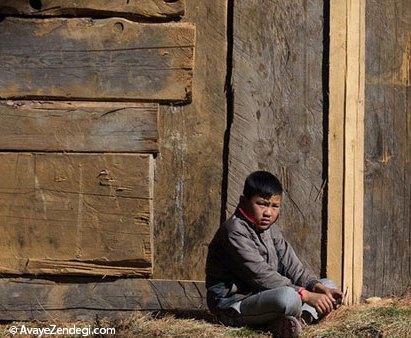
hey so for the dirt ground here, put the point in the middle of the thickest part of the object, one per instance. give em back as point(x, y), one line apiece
point(383, 318)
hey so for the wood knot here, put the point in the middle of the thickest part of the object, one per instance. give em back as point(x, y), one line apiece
point(105, 179)
point(119, 27)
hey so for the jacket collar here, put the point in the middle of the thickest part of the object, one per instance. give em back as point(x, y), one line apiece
point(246, 216)
point(249, 219)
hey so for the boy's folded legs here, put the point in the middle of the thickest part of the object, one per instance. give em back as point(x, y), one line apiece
point(263, 307)
point(269, 304)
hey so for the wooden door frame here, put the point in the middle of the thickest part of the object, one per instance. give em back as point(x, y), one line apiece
point(346, 146)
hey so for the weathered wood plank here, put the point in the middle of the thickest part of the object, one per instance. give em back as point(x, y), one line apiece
point(39, 299)
point(81, 126)
point(74, 209)
point(353, 150)
point(335, 205)
point(17, 266)
point(358, 18)
point(387, 212)
point(278, 112)
point(110, 59)
point(189, 169)
point(133, 8)
point(346, 147)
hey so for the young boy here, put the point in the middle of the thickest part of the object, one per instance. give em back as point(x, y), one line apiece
point(253, 276)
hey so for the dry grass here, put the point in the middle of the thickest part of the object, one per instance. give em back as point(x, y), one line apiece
point(170, 326)
point(387, 318)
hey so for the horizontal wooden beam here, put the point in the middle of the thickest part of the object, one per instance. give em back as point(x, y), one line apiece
point(71, 213)
point(84, 59)
point(138, 267)
point(41, 299)
point(78, 126)
point(159, 9)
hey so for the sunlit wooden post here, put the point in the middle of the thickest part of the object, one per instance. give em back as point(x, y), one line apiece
point(346, 146)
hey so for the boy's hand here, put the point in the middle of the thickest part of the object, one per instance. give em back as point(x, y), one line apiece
point(320, 301)
point(334, 294)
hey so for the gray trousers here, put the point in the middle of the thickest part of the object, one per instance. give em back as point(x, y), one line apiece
point(262, 307)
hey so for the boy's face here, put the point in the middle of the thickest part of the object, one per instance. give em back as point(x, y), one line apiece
point(265, 210)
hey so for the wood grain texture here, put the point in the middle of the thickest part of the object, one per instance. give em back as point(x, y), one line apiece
point(108, 59)
point(134, 8)
point(189, 166)
point(18, 266)
point(40, 299)
point(387, 149)
point(81, 126)
point(346, 147)
point(278, 112)
point(358, 10)
point(70, 209)
point(353, 152)
point(335, 205)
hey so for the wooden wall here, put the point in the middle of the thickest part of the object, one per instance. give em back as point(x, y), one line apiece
point(68, 70)
point(278, 112)
point(119, 131)
point(387, 148)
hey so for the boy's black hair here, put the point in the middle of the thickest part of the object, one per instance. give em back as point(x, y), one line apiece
point(262, 183)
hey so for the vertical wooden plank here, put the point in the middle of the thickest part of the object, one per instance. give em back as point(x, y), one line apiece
point(353, 158)
point(151, 171)
point(359, 161)
point(189, 166)
point(387, 228)
point(347, 98)
point(278, 112)
point(351, 76)
point(338, 47)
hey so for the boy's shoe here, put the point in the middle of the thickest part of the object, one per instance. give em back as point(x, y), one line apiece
point(286, 327)
point(308, 318)
point(230, 317)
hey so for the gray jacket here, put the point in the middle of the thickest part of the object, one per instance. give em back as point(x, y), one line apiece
point(242, 261)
